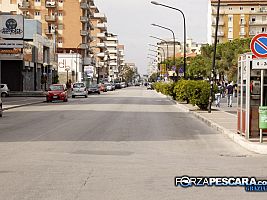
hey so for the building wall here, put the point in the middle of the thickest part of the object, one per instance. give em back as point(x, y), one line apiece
point(72, 25)
point(238, 9)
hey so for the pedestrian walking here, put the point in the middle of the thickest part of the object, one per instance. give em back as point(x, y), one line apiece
point(230, 91)
point(218, 96)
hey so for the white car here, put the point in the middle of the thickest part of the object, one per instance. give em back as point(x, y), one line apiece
point(109, 86)
point(79, 89)
point(4, 90)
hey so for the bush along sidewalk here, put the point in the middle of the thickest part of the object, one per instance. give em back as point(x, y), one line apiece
point(191, 91)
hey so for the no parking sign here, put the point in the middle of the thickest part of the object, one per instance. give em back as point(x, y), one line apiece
point(258, 45)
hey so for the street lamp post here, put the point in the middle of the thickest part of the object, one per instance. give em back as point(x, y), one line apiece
point(76, 71)
point(214, 56)
point(163, 41)
point(173, 42)
point(159, 4)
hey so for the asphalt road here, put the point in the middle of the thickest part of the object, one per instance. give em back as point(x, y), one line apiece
point(125, 144)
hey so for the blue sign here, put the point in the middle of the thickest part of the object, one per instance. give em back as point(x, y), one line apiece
point(173, 68)
point(258, 45)
point(181, 70)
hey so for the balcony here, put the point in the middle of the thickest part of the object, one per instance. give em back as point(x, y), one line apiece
point(100, 16)
point(257, 23)
point(113, 51)
point(83, 33)
point(50, 4)
point(84, 5)
point(24, 5)
point(101, 45)
point(101, 55)
point(220, 34)
point(101, 35)
point(221, 23)
point(243, 23)
point(102, 26)
point(50, 18)
point(84, 19)
point(111, 44)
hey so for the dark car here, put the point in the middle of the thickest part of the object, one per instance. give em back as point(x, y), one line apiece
point(93, 89)
point(57, 92)
point(117, 86)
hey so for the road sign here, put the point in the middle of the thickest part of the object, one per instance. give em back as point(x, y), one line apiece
point(258, 45)
point(181, 71)
point(259, 63)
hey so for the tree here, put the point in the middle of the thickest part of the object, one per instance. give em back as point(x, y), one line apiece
point(153, 77)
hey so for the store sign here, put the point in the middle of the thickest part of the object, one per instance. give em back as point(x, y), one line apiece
point(11, 44)
point(10, 51)
point(11, 26)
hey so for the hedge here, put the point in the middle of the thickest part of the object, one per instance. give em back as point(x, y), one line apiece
point(191, 91)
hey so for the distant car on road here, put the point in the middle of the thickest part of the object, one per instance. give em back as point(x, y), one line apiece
point(1, 108)
point(123, 85)
point(117, 85)
point(57, 92)
point(109, 86)
point(102, 87)
point(79, 89)
point(4, 90)
point(137, 84)
point(94, 88)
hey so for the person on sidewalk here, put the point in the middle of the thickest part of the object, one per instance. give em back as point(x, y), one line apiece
point(230, 91)
point(218, 96)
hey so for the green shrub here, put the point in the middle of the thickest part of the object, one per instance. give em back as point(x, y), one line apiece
point(191, 91)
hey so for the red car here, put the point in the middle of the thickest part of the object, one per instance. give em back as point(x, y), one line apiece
point(57, 92)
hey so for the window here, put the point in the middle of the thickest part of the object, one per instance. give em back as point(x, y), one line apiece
point(37, 13)
point(253, 19)
point(263, 29)
point(230, 19)
point(230, 30)
point(252, 8)
point(241, 8)
point(264, 18)
point(230, 8)
point(37, 1)
point(60, 14)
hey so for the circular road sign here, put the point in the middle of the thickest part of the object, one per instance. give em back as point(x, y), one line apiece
point(258, 45)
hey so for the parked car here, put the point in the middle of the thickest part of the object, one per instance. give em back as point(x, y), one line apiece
point(113, 86)
point(1, 108)
point(117, 85)
point(102, 87)
point(123, 84)
point(57, 92)
point(4, 90)
point(79, 89)
point(93, 89)
point(108, 86)
point(137, 84)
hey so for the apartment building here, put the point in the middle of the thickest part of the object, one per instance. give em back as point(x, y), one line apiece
point(121, 59)
point(112, 46)
point(166, 48)
point(98, 44)
point(238, 19)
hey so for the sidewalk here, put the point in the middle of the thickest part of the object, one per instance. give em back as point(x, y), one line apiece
point(15, 102)
point(224, 120)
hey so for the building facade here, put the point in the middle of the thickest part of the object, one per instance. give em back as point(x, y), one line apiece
point(238, 19)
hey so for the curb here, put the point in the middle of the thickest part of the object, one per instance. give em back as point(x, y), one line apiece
point(255, 147)
point(22, 105)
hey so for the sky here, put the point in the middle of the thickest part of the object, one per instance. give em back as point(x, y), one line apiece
point(131, 20)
